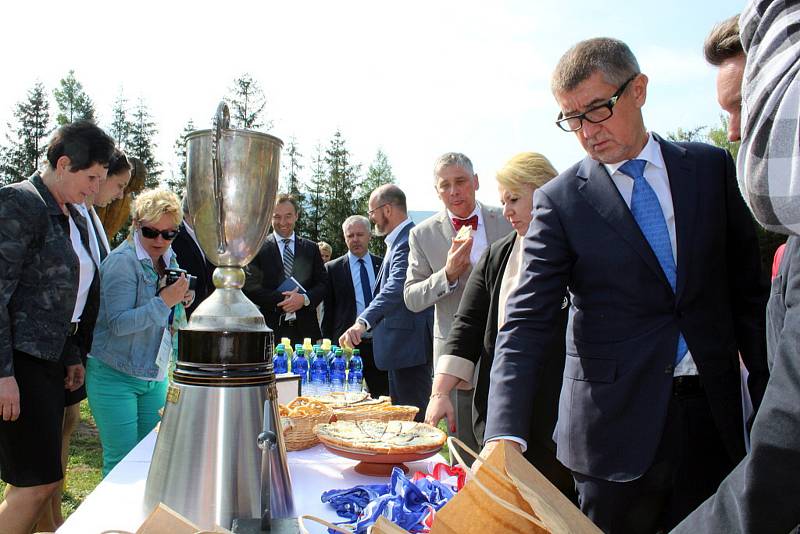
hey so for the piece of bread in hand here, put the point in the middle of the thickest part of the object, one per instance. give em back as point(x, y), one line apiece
point(464, 233)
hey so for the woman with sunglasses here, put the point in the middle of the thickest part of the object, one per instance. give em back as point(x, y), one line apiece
point(45, 284)
point(127, 368)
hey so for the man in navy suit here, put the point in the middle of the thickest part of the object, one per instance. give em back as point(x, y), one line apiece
point(402, 340)
point(659, 253)
point(351, 284)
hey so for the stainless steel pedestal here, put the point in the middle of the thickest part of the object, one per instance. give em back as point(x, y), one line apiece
point(207, 444)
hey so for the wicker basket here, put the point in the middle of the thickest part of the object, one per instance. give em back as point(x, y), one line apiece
point(377, 412)
point(298, 431)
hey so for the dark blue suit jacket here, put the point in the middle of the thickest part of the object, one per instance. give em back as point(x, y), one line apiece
point(400, 337)
point(624, 317)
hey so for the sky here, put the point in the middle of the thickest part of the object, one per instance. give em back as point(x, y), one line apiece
point(413, 78)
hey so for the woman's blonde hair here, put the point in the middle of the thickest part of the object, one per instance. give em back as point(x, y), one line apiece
point(151, 205)
point(524, 169)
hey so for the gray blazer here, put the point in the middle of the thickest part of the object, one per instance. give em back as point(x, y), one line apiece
point(762, 494)
point(426, 284)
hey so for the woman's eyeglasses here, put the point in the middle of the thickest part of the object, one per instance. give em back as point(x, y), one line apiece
point(152, 233)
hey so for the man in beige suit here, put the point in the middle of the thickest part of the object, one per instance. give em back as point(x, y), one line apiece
point(438, 266)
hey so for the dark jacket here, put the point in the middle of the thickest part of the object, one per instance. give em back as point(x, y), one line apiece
point(83, 338)
point(265, 275)
point(473, 337)
point(191, 258)
point(400, 338)
point(340, 302)
point(625, 317)
point(38, 275)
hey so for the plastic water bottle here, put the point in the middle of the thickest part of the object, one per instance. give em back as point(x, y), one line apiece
point(355, 372)
point(300, 367)
point(319, 374)
point(338, 369)
point(280, 362)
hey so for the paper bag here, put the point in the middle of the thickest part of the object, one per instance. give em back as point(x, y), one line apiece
point(509, 495)
point(164, 520)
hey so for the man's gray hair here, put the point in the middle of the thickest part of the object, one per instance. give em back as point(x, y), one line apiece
point(390, 194)
point(609, 56)
point(355, 219)
point(452, 158)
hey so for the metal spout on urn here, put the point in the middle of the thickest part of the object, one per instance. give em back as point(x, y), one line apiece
point(220, 458)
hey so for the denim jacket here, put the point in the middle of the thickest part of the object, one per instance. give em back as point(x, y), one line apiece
point(38, 275)
point(132, 317)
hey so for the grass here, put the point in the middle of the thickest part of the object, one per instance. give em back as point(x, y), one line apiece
point(84, 468)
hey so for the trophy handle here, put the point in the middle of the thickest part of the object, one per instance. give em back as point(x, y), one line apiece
point(222, 121)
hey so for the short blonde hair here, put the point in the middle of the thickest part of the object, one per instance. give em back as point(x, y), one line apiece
point(151, 205)
point(323, 246)
point(524, 169)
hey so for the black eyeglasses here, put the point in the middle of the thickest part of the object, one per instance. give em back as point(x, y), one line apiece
point(152, 233)
point(376, 208)
point(595, 115)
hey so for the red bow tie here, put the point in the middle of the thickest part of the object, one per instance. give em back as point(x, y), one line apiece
point(472, 221)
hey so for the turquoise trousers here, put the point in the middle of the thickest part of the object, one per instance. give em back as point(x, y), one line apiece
point(125, 408)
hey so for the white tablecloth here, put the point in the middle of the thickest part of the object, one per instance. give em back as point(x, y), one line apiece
point(117, 502)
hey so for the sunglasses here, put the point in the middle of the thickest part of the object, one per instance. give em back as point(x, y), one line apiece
point(152, 233)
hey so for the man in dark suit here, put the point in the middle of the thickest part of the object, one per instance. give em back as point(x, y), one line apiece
point(192, 259)
point(762, 492)
point(660, 255)
point(351, 284)
point(290, 313)
point(402, 340)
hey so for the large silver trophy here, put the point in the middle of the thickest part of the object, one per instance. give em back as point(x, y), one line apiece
point(220, 457)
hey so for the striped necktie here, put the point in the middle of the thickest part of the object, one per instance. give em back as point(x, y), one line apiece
point(288, 258)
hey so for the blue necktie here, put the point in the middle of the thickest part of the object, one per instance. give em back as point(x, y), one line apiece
point(365, 289)
point(647, 212)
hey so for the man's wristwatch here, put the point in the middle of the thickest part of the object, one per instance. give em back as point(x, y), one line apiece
point(363, 323)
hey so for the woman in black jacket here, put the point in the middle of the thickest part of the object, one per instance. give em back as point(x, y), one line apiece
point(482, 309)
point(45, 284)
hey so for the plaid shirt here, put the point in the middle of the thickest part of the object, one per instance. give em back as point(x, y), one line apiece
point(769, 157)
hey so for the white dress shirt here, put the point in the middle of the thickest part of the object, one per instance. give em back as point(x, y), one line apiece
point(87, 267)
point(355, 273)
point(655, 172)
point(479, 241)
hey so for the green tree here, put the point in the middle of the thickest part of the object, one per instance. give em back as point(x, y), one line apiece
point(247, 101)
point(121, 126)
point(177, 182)
point(691, 134)
point(315, 207)
point(292, 183)
point(378, 174)
point(73, 102)
point(340, 189)
point(719, 136)
point(141, 144)
point(26, 136)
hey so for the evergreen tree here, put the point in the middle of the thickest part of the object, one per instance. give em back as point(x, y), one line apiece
point(177, 183)
point(120, 124)
point(378, 174)
point(314, 209)
point(26, 137)
point(292, 183)
point(141, 145)
point(73, 102)
point(247, 101)
point(340, 198)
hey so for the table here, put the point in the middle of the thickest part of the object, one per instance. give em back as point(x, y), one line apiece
point(117, 502)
